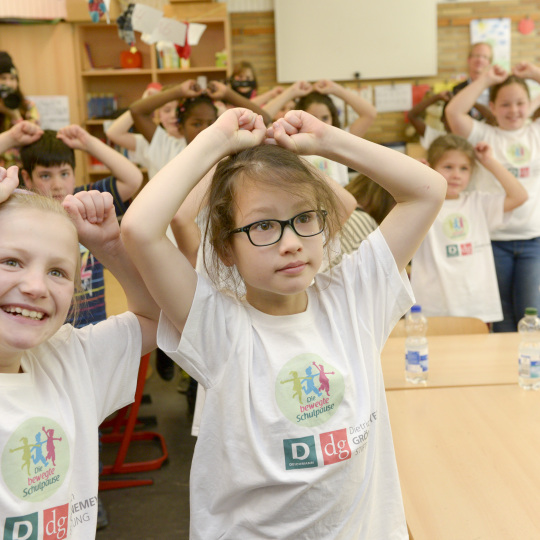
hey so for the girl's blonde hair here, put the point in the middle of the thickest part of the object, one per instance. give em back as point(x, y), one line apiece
point(31, 200)
point(371, 197)
point(445, 143)
point(268, 165)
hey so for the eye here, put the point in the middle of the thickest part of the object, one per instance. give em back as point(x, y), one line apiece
point(59, 273)
point(14, 263)
point(263, 226)
point(304, 218)
point(44, 176)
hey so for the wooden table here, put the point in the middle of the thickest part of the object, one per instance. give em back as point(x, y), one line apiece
point(457, 360)
point(469, 461)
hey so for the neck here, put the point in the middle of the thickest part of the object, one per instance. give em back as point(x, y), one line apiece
point(273, 304)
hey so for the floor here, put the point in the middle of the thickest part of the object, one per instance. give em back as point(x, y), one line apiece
point(159, 511)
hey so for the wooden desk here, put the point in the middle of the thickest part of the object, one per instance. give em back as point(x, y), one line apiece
point(468, 461)
point(458, 360)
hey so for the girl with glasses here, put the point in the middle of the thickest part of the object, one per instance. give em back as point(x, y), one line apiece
point(295, 438)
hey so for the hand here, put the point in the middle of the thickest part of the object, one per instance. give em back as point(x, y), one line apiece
point(495, 75)
point(325, 86)
point(525, 70)
point(444, 96)
point(75, 137)
point(189, 89)
point(94, 217)
point(298, 131)
point(276, 91)
point(242, 129)
point(24, 133)
point(300, 89)
point(483, 152)
point(217, 90)
point(9, 180)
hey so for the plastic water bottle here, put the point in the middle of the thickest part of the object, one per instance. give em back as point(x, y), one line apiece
point(529, 350)
point(416, 346)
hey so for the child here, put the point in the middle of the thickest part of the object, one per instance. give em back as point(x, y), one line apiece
point(453, 273)
point(318, 103)
point(196, 112)
point(119, 132)
point(274, 457)
point(515, 143)
point(426, 132)
point(59, 383)
point(14, 106)
point(244, 81)
point(49, 169)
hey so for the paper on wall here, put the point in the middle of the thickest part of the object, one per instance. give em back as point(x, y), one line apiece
point(145, 19)
point(53, 111)
point(393, 97)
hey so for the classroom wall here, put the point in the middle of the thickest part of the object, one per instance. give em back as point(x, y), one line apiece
point(253, 40)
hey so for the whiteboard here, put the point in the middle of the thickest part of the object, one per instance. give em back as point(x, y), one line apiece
point(335, 39)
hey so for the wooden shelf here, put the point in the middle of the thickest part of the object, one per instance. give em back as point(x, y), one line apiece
point(178, 71)
point(116, 72)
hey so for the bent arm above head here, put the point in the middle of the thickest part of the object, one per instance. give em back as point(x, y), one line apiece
point(168, 274)
point(21, 134)
point(418, 190)
point(142, 110)
point(296, 90)
point(264, 98)
point(415, 114)
point(516, 194)
point(119, 133)
point(97, 226)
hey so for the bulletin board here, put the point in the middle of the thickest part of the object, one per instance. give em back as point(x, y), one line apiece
point(337, 39)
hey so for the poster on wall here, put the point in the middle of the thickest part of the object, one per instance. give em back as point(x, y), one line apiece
point(53, 111)
point(496, 32)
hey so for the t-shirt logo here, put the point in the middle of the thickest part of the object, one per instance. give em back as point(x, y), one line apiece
point(517, 154)
point(456, 226)
point(309, 390)
point(35, 459)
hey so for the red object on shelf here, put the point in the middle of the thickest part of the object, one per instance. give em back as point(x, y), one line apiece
point(123, 426)
point(129, 59)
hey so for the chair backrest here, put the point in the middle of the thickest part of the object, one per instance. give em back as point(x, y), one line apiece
point(440, 326)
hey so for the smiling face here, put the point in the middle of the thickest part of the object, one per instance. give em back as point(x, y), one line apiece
point(38, 263)
point(276, 276)
point(10, 80)
point(479, 59)
point(54, 181)
point(511, 107)
point(456, 168)
point(169, 119)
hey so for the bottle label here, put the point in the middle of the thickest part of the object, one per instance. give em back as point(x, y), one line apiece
point(416, 360)
point(530, 364)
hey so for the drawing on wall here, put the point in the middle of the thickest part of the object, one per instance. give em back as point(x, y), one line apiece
point(496, 32)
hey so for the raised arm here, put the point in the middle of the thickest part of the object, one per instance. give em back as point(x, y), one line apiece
point(366, 111)
point(20, 134)
point(415, 115)
point(457, 110)
point(142, 110)
point(296, 90)
point(219, 91)
point(263, 99)
point(168, 274)
point(9, 180)
point(418, 190)
point(119, 133)
point(128, 175)
point(97, 226)
point(516, 194)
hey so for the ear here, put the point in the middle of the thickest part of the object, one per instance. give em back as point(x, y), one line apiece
point(27, 179)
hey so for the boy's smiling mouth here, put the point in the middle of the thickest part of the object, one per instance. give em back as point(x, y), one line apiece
point(23, 312)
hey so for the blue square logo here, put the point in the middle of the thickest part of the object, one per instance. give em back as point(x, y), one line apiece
point(300, 453)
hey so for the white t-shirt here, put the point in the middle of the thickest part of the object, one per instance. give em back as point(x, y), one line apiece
point(519, 152)
point(163, 148)
point(453, 272)
point(333, 169)
point(295, 439)
point(50, 416)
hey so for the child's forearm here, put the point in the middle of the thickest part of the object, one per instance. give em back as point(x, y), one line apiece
point(6, 141)
point(128, 175)
point(457, 110)
point(234, 98)
point(119, 133)
point(516, 194)
point(276, 104)
point(366, 111)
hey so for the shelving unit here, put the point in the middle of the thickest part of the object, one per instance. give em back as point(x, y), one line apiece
point(98, 61)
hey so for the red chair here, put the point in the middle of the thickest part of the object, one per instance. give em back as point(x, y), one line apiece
point(123, 431)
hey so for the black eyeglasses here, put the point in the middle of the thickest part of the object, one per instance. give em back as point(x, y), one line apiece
point(270, 231)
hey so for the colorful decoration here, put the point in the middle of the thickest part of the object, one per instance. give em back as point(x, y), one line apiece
point(526, 26)
point(184, 51)
point(96, 9)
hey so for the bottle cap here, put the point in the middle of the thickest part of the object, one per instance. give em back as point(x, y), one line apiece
point(417, 309)
point(531, 311)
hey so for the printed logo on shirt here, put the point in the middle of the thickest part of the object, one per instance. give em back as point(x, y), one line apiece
point(517, 154)
point(300, 453)
point(55, 525)
point(335, 446)
point(457, 250)
point(309, 390)
point(35, 459)
point(456, 226)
